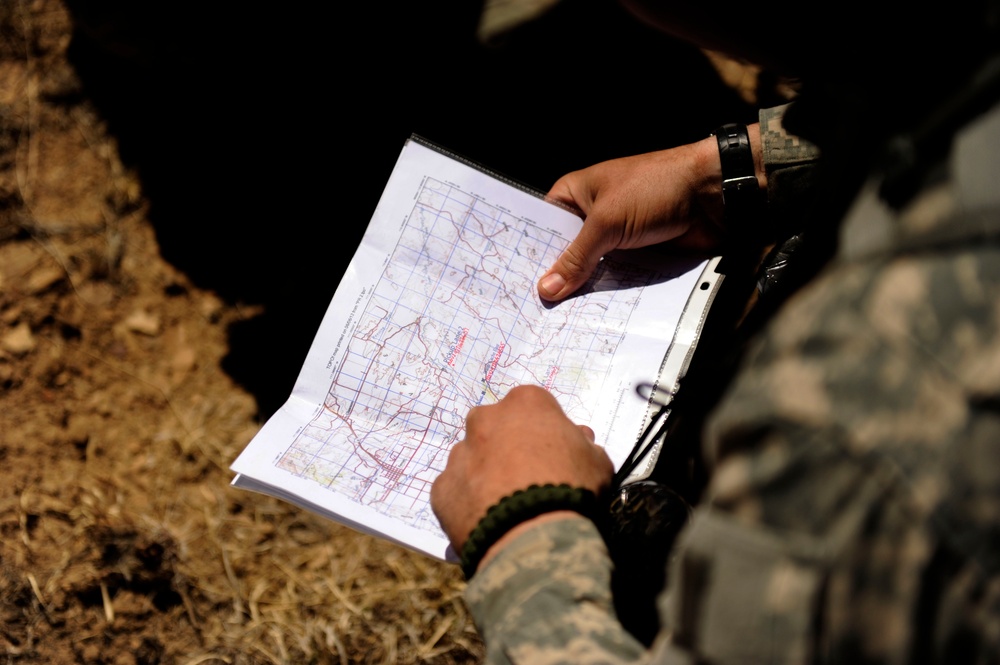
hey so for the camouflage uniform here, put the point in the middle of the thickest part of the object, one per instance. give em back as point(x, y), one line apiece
point(853, 511)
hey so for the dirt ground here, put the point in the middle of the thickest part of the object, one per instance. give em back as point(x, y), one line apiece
point(120, 539)
point(126, 379)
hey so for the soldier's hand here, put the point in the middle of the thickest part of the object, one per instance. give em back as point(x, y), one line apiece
point(522, 440)
point(671, 195)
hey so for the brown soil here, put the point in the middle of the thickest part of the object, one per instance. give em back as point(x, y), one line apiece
point(120, 539)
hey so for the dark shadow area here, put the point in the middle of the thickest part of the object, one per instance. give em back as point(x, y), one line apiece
point(263, 138)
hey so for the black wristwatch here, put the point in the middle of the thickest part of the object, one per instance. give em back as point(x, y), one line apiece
point(741, 194)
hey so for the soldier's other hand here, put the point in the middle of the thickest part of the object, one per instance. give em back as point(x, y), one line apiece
point(524, 439)
point(671, 195)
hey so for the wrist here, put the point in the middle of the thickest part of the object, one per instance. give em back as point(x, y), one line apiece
point(524, 527)
point(705, 180)
point(516, 510)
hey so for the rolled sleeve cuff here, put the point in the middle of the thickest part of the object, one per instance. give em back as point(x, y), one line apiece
point(546, 597)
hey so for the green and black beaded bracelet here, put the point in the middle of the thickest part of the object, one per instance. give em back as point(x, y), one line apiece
point(519, 507)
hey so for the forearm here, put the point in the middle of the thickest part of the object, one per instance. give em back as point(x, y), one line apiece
point(546, 597)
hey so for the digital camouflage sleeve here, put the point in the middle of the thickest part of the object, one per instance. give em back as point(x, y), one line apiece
point(853, 512)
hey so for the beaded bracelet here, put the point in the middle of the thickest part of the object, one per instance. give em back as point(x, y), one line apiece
point(519, 507)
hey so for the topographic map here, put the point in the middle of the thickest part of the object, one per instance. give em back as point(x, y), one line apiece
point(437, 314)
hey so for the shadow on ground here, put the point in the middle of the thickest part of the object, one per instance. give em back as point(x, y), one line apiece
point(263, 138)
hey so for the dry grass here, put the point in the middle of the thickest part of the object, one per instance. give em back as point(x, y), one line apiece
point(120, 539)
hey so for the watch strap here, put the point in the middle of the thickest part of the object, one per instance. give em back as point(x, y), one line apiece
point(741, 193)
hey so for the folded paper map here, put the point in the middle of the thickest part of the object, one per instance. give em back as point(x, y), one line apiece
point(437, 313)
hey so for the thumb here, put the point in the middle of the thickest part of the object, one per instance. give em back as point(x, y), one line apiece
point(575, 264)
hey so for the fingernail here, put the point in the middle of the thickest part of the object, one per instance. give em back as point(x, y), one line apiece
point(552, 284)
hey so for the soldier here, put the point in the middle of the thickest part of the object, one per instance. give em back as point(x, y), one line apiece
point(852, 509)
